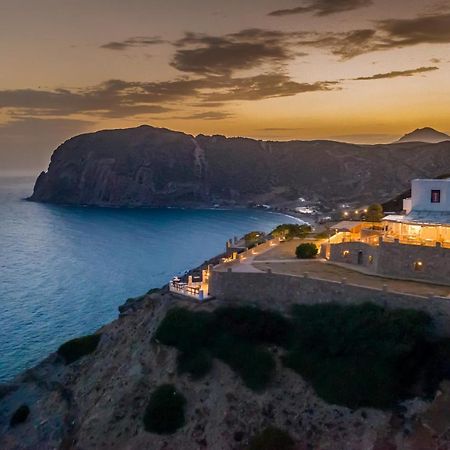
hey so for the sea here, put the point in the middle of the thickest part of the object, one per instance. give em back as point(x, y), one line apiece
point(64, 270)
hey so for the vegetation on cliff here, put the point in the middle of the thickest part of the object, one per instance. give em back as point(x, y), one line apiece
point(165, 411)
point(271, 438)
point(290, 231)
point(235, 335)
point(20, 415)
point(356, 356)
point(77, 348)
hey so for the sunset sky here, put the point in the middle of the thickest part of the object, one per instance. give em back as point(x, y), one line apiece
point(352, 70)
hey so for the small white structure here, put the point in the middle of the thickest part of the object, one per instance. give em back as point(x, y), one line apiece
point(429, 195)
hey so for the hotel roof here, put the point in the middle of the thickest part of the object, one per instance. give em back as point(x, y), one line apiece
point(439, 218)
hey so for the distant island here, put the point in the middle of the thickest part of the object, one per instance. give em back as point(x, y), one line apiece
point(156, 167)
point(426, 134)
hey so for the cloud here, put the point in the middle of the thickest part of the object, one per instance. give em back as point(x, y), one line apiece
point(323, 7)
point(264, 86)
point(398, 73)
point(209, 115)
point(118, 98)
point(247, 49)
point(386, 35)
point(113, 98)
point(137, 41)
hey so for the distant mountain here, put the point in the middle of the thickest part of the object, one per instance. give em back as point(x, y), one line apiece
point(149, 166)
point(426, 134)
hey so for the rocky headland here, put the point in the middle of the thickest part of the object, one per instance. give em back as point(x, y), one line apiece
point(154, 167)
point(99, 401)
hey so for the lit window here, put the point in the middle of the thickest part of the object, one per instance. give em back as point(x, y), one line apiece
point(345, 253)
point(435, 196)
point(370, 259)
point(418, 266)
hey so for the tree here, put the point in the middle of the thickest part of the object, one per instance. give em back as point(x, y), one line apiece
point(291, 230)
point(253, 238)
point(375, 213)
point(306, 251)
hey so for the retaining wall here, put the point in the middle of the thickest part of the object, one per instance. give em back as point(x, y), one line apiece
point(282, 291)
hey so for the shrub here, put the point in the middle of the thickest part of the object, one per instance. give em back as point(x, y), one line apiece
point(254, 365)
point(185, 330)
point(253, 324)
point(253, 238)
point(197, 363)
point(306, 251)
point(271, 438)
point(165, 411)
point(291, 230)
point(374, 213)
point(358, 355)
point(76, 348)
point(20, 415)
point(232, 334)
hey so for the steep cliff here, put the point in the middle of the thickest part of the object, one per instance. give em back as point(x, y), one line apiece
point(148, 166)
point(99, 401)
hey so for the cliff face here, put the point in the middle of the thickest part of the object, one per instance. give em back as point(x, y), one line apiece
point(148, 166)
point(99, 401)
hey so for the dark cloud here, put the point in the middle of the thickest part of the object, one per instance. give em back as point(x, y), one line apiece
point(398, 73)
point(386, 35)
point(323, 7)
point(113, 98)
point(118, 98)
point(247, 49)
point(265, 86)
point(428, 29)
point(137, 41)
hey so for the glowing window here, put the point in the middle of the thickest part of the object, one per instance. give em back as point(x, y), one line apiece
point(435, 196)
point(345, 253)
point(370, 259)
point(418, 266)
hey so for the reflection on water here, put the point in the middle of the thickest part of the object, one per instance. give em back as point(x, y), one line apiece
point(64, 270)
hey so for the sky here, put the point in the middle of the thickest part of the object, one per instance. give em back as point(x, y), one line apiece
point(364, 71)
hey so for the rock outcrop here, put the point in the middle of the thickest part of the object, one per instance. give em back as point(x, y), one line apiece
point(99, 401)
point(154, 167)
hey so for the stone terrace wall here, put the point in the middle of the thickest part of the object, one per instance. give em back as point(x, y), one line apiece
point(282, 291)
point(398, 260)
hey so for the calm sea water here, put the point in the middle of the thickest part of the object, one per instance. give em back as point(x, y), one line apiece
point(64, 270)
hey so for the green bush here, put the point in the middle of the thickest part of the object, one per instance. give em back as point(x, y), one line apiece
point(306, 251)
point(253, 238)
point(165, 411)
point(358, 355)
point(197, 363)
point(253, 364)
point(291, 231)
point(253, 324)
point(271, 438)
point(185, 330)
point(20, 415)
point(232, 334)
point(76, 348)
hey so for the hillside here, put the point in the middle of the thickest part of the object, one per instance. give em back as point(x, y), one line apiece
point(148, 166)
point(98, 401)
point(426, 134)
